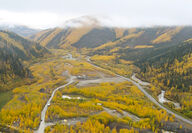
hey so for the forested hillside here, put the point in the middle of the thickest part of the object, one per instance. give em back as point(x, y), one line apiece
point(78, 37)
point(174, 66)
point(13, 51)
point(171, 71)
point(112, 39)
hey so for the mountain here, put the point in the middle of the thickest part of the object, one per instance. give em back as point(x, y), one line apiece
point(92, 32)
point(19, 29)
point(23, 48)
point(15, 49)
point(81, 32)
point(139, 38)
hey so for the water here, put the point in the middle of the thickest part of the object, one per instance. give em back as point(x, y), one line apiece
point(162, 99)
point(70, 97)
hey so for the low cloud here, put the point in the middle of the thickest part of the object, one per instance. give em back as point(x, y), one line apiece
point(44, 19)
point(39, 20)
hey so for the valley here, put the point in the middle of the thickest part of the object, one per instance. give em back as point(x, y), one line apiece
point(96, 79)
point(92, 66)
point(107, 98)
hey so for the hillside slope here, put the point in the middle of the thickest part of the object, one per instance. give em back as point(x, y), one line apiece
point(172, 71)
point(147, 37)
point(77, 37)
point(80, 32)
point(174, 66)
point(104, 39)
point(13, 51)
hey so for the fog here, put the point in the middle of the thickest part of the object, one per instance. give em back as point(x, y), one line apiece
point(119, 13)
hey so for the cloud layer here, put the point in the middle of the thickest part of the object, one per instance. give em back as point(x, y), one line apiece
point(121, 13)
point(33, 19)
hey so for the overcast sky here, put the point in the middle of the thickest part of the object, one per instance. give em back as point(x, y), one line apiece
point(122, 13)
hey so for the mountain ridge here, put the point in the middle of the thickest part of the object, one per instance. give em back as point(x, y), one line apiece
point(19, 29)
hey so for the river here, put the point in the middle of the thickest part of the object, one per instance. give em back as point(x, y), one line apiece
point(162, 99)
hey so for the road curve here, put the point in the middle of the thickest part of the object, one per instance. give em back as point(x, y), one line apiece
point(43, 124)
point(148, 95)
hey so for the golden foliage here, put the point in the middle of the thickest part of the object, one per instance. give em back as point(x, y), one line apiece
point(167, 36)
point(144, 46)
point(121, 40)
point(188, 40)
point(12, 41)
point(46, 40)
point(37, 37)
point(119, 32)
point(102, 57)
point(74, 35)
